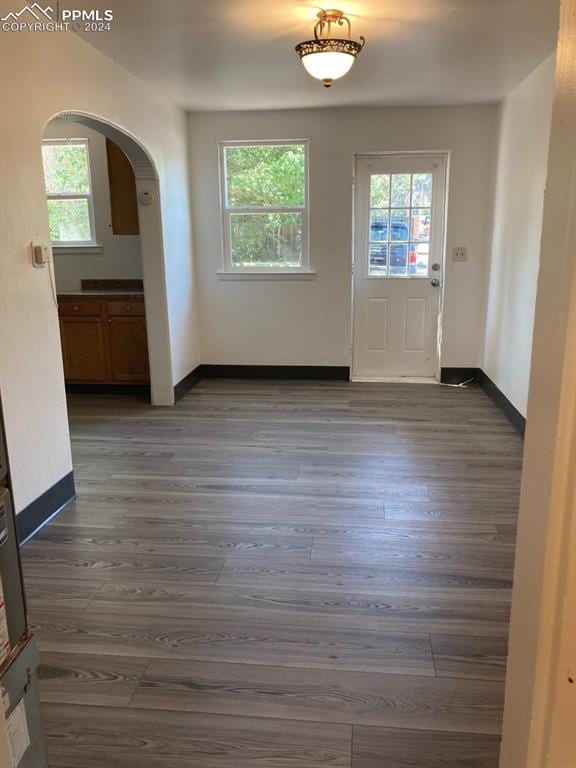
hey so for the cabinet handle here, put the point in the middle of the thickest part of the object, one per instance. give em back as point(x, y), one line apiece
point(110, 320)
point(128, 309)
point(76, 309)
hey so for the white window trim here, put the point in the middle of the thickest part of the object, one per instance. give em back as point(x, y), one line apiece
point(229, 271)
point(66, 246)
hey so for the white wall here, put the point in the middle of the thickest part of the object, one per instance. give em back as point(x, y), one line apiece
point(519, 200)
point(308, 322)
point(540, 707)
point(120, 257)
point(51, 73)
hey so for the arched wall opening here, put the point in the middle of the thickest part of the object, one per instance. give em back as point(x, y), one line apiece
point(152, 251)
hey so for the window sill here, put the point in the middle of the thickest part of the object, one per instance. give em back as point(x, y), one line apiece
point(95, 248)
point(308, 275)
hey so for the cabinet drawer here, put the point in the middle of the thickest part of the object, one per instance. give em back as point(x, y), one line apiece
point(125, 308)
point(82, 307)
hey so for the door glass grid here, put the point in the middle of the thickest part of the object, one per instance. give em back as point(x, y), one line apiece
point(399, 237)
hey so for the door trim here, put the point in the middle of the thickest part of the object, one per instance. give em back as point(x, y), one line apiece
point(445, 154)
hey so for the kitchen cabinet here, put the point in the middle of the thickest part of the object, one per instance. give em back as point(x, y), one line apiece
point(104, 339)
point(123, 201)
point(83, 349)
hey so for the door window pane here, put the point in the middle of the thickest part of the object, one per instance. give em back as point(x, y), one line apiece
point(378, 225)
point(398, 259)
point(422, 189)
point(419, 259)
point(380, 190)
point(378, 259)
point(266, 239)
point(400, 197)
point(420, 229)
point(400, 224)
point(69, 220)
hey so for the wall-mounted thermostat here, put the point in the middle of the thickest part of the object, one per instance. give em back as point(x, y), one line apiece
point(41, 255)
point(146, 197)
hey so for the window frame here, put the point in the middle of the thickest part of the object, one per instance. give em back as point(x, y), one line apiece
point(226, 211)
point(89, 196)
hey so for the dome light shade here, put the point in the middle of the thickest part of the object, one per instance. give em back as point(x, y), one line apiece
point(328, 58)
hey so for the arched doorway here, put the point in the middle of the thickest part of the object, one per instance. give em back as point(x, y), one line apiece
point(152, 252)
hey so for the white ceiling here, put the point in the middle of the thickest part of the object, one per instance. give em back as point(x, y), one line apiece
point(239, 54)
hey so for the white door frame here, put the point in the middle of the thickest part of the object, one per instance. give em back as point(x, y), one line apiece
point(444, 153)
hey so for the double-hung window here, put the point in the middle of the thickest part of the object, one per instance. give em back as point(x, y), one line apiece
point(265, 206)
point(69, 191)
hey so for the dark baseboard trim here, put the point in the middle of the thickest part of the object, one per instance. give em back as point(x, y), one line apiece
point(108, 389)
point(288, 372)
point(204, 371)
point(499, 398)
point(458, 375)
point(186, 384)
point(35, 516)
point(262, 372)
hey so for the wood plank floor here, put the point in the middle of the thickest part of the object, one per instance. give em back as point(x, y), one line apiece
point(288, 575)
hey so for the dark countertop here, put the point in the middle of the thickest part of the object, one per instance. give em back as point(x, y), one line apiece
point(101, 294)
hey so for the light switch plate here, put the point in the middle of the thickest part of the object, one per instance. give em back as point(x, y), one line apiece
point(459, 253)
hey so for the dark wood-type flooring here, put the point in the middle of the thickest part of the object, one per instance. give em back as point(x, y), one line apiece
point(281, 575)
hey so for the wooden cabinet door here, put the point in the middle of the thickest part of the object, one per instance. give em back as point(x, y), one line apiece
point(123, 202)
point(83, 349)
point(128, 349)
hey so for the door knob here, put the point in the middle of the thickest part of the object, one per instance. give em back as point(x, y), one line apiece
point(435, 283)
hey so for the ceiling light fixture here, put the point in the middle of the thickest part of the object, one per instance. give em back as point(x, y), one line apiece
point(328, 58)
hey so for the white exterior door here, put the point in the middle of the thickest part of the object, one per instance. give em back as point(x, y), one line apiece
point(398, 264)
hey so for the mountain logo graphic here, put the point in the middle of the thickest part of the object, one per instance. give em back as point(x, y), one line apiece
point(35, 10)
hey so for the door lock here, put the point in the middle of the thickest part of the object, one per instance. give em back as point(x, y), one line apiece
point(435, 267)
point(435, 283)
